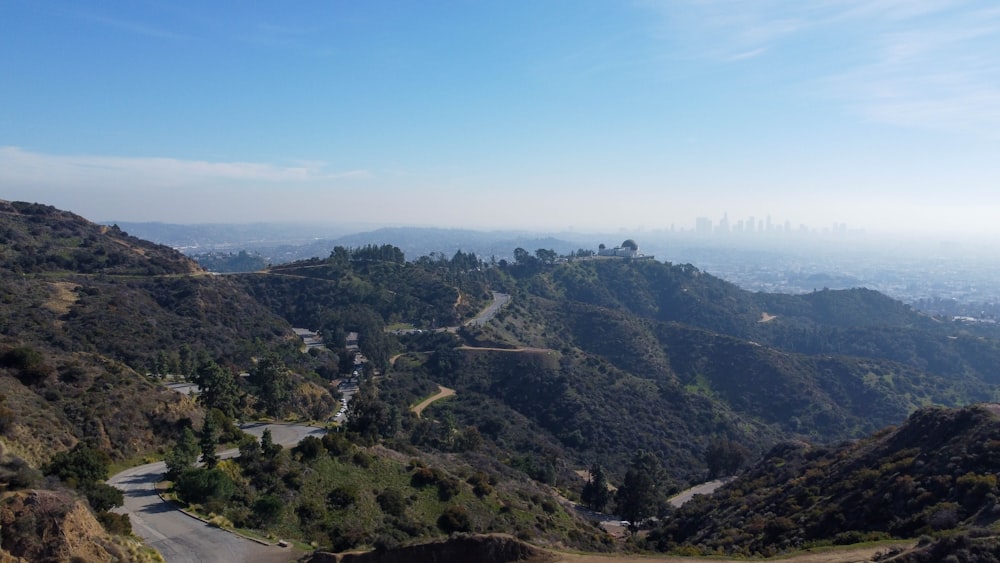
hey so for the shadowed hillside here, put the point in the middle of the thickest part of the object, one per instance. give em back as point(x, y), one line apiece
point(935, 473)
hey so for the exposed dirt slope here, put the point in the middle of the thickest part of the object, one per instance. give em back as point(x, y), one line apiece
point(54, 526)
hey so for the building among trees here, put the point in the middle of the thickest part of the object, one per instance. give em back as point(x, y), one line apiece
point(628, 249)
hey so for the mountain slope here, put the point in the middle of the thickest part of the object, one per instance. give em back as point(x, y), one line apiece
point(934, 473)
point(855, 322)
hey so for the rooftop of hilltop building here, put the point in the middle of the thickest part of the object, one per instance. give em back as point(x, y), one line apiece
point(627, 249)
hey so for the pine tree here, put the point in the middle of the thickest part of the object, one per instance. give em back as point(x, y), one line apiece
point(218, 389)
point(271, 380)
point(184, 454)
point(595, 494)
point(642, 493)
point(267, 446)
point(209, 441)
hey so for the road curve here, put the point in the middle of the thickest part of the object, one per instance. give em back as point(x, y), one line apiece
point(441, 394)
point(500, 300)
point(181, 538)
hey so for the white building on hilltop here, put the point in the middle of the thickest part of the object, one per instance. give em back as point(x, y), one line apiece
point(628, 249)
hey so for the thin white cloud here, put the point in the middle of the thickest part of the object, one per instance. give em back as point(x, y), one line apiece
point(134, 27)
point(916, 63)
point(18, 166)
point(748, 54)
point(941, 76)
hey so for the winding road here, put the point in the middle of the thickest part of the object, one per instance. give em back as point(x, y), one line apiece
point(500, 300)
point(182, 538)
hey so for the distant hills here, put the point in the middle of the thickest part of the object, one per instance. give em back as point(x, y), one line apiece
point(280, 244)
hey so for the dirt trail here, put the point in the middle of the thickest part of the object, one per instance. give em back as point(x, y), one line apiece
point(441, 394)
point(847, 555)
point(523, 349)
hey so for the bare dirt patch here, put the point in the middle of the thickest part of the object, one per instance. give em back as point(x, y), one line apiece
point(441, 394)
point(766, 317)
point(63, 297)
point(845, 555)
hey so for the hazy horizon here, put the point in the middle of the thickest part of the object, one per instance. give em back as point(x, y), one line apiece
point(554, 116)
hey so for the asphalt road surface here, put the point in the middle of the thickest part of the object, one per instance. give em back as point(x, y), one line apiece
point(487, 314)
point(181, 538)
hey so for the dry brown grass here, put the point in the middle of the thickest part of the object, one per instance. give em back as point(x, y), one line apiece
point(63, 297)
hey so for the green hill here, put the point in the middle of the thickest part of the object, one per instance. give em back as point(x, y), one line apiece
point(934, 474)
point(86, 311)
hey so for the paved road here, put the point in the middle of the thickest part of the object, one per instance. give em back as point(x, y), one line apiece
point(614, 525)
point(487, 314)
point(703, 489)
point(181, 538)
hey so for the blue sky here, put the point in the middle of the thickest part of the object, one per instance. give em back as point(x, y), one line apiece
point(547, 115)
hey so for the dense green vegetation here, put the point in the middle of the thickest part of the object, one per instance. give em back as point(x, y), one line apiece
point(933, 474)
point(228, 262)
point(343, 496)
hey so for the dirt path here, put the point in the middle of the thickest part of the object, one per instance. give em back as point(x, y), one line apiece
point(847, 555)
point(441, 394)
point(505, 349)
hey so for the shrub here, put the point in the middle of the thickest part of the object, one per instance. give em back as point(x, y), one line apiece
point(422, 477)
point(80, 466)
point(29, 363)
point(103, 497)
point(448, 488)
point(341, 497)
point(266, 509)
point(549, 506)
point(336, 444)
point(118, 524)
point(309, 448)
point(203, 485)
point(480, 482)
point(310, 511)
point(392, 502)
point(362, 459)
point(454, 519)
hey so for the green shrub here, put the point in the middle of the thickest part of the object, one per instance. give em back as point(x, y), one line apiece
point(480, 482)
point(392, 502)
point(267, 509)
point(454, 519)
point(448, 488)
point(118, 524)
point(341, 497)
point(204, 485)
point(309, 448)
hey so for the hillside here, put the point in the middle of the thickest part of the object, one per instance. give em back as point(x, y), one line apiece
point(593, 363)
point(855, 322)
point(933, 474)
point(38, 238)
point(51, 526)
point(643, 355)
point(88, 311)
point(73, 286)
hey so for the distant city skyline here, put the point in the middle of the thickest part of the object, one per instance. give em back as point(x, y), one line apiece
point(546, 116)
